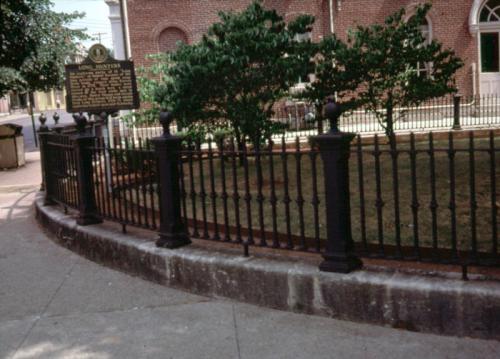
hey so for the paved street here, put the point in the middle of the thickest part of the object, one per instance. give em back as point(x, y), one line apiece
point(55, 304)
point(25, 121)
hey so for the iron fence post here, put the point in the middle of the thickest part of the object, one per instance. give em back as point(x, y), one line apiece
point(334, 148)
point(456, 112)
point(173, 231)
point(87, 206)
point(43, 131)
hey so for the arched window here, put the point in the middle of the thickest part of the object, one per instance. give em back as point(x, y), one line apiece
point(306, 36)
point(490, 11)
point(169, 39)
point(425, 28)
point(423, 69)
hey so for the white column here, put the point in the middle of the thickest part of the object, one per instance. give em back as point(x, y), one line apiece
point(117, 32)
point(116, 29)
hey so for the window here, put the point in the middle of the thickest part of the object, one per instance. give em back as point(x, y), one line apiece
point(303, 37)
point(423, 69)
point(490, 11)
point(489, 52)
point(307, 36)
point(490, 39)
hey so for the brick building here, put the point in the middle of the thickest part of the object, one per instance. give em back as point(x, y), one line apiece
point(470, 27)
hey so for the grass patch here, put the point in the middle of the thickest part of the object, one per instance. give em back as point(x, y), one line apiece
point(295, 171)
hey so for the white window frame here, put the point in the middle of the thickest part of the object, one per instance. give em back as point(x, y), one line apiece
point(300, 85)
point(426, 30)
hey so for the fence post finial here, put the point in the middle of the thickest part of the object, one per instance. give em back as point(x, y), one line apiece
point(80, 121)
point(56, 118)
point(43, 127)
point(43, 130)
point(165, 120)
point(333, 110)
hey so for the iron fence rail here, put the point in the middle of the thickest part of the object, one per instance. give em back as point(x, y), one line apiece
point(60, 168)
point(125, 180)
point(424, 198)
point(300, 119)
point(434, 200)
point(259, 196)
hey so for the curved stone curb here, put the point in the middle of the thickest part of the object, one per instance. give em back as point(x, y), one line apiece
point(424, 304)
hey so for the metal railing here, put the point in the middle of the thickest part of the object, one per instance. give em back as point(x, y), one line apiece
point(427, 199)
point(420, 197)
point(59, 168)
point(300, 119)
point(258, 196)
point(125, 182)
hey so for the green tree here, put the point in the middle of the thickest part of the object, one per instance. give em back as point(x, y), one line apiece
point(151, 81)
point(236, 73)
point(338, 73)
point(35, 43)
point(389, 55)
point(15, 42)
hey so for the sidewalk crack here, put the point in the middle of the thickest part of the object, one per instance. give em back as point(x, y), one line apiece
point(236, 336)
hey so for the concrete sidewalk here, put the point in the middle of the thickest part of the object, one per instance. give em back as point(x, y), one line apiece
point(55, 304)
point(28, 175)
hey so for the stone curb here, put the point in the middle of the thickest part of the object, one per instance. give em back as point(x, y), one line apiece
point(419, 303)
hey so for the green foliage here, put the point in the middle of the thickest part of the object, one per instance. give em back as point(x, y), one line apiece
point(389, 54)
point(338, 72)
point(236, 73)
point(10, 79)
point(248, 61)
point(152, 81)
point(195, 133)
point(15, 42)
point(35, 43)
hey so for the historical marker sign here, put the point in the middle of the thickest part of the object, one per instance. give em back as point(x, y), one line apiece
point(101, 83)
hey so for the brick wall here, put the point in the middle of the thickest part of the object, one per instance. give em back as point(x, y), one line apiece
point(169, 38)
point(158, 24)
point(448, 19)
point(149, 18)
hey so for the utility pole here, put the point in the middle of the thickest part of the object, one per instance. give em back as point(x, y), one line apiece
point(98, 34)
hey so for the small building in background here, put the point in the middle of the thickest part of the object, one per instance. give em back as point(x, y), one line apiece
point(18, 102)
point(4, 105)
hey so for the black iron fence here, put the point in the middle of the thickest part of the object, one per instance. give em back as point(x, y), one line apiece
point(125, 182)
point(425, 197)
point(268, 196)
point(59, 170)
point(299, 119)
